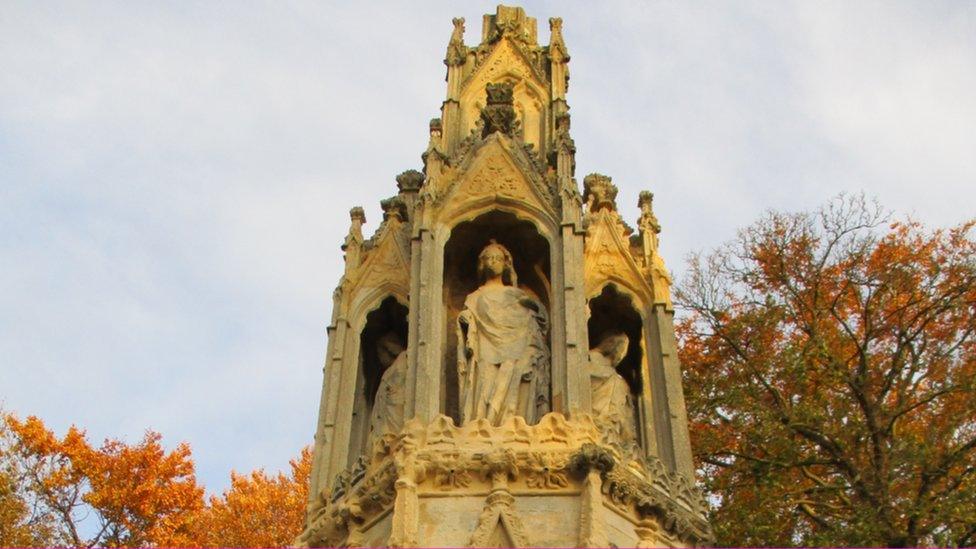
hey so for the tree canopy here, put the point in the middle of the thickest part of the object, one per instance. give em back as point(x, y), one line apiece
point(66, 492)
point(829, 363)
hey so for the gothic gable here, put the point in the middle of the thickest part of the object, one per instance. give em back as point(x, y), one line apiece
point(508, 62)
point(505, 60)
point(387, 263)
point(607, 257)
point(497, 171)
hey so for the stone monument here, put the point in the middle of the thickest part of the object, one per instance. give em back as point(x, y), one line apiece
point(501, 366)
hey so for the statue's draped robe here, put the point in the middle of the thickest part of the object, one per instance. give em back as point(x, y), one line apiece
point(387, 415)
point(502, 355)
point(610, 398)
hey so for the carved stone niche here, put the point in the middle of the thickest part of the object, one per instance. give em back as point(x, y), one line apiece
point(386, 327)
point(612, 313)
point(530, 255)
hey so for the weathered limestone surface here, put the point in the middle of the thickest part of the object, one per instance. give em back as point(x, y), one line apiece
point(501, 367)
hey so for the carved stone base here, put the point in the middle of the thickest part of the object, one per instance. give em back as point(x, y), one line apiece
point(516, 485)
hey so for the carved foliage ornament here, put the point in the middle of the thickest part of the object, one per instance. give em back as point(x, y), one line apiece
point(552, 452)
point(499, 112)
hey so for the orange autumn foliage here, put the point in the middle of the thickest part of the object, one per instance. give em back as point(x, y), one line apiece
point(138, 495)
point(258, 510)
point(67, 492)
point(830, 373)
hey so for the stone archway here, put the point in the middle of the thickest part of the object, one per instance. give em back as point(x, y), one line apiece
point(531, 254)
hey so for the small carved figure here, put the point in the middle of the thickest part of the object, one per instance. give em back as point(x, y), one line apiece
point(611, 400)
point(557, 47)
point(503, 359)
point(387, 415)
point(648, 223)
point(456, 50)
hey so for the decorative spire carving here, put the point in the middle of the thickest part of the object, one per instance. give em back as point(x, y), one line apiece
point(649, 229)
point(353, 242)
point(499, 113)
point(410, 181)
point(564, 150)
point(599, 193)
point(434, 157)
point(394, 207)
point(457, 52)
point(557, 47)
point(647, 223)
point(510, 22)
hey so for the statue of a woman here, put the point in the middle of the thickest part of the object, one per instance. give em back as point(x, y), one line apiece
point(610, 394)
point(387, 414)
point(503, 360)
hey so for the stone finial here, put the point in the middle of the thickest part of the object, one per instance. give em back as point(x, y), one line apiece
point(357, 214)
point(645, 201)
point(499, 112)
point(434, 148)
point(354, 239)
point(511, 22)
point(648, 224)
point(394, 207)
point(557, 47)
point(410, 181)
point(457, 52)
point(599, 193)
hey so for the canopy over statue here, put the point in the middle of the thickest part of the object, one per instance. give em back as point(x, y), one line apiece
point(503, 359)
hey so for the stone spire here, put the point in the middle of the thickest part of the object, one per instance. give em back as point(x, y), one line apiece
point(501, 366)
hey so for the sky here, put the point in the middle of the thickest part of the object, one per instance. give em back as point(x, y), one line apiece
point(175, 177)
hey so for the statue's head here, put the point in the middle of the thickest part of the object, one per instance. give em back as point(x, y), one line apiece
point(388, 347)
point(614, 347)
point(495, 260)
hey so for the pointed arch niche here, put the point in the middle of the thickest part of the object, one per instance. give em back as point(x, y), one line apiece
point(614, 312)
point(387, 320)
point(531, 255)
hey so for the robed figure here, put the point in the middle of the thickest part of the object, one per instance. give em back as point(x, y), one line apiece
point(503, 360)
point(613, 407)
point(386, 417)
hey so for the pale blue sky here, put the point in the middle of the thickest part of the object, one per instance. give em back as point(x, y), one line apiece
point(175, 178)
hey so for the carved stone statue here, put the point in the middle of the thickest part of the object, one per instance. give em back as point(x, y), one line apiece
point(387, 415)
point(456, 50)
point(611, 398)
point(503, 359)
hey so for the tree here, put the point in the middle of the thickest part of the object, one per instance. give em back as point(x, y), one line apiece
point(137, 495)
point(258, 510)
point(21, 524)
point(829, 364)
